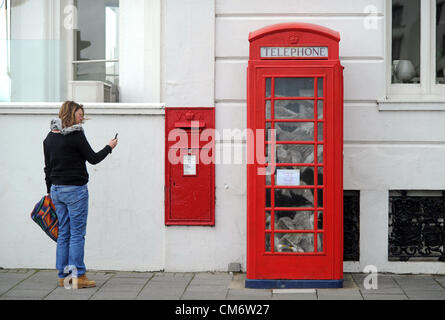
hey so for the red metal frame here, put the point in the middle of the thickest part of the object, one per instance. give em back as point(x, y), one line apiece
point(328, 264)
point(190, 199)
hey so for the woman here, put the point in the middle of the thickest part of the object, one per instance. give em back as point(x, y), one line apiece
point(66, 151)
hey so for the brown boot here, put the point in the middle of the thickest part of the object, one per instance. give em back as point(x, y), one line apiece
point(83, 282)
point(62, 282)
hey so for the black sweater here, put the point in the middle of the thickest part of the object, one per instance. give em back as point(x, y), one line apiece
point(65, 158)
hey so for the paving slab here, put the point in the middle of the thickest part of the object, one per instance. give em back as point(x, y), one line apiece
point(385, 297)
point(249, 294)
point(122, 274)
point(213, 276)
point(425, 295)
point(24, 284)
point(114, 295)
point(440, 279)
point(418, 282)
point(125, 283)
point(339, 294)
point(161, 293)
point(19, 294)
point(294, 296)
point(71, 294)
point(200, 295)
point(16, 274)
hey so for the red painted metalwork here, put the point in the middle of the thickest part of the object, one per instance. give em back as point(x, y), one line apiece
point(189, 192)
point(265, 260)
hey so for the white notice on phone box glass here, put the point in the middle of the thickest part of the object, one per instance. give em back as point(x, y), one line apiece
point(288, 177)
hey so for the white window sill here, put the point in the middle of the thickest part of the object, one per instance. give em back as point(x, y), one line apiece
point(90, 108)
point(408, 103)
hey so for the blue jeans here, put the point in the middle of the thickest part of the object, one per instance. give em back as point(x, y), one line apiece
point(71, 204)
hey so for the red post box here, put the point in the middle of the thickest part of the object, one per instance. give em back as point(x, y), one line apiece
point(189, 166)
point(295, 183)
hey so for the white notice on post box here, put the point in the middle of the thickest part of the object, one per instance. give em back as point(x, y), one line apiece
point(189, 163)
point(288, 177)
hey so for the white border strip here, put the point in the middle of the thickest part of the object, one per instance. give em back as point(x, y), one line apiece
point(90, 108)
point(411, 105)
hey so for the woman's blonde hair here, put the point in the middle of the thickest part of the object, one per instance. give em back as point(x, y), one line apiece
point(67, 111)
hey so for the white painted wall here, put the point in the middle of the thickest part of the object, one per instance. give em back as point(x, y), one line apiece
point(125, 229)
point(200, 50)
point(188, 50)
point(384, 150)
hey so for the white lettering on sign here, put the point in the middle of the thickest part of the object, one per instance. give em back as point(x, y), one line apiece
point(294, 52)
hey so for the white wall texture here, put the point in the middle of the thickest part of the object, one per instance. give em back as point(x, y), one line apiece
point(204, 55)
point(125, 224)
point(384, 150)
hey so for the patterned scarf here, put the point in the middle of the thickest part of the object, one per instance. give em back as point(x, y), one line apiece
point(56, 124)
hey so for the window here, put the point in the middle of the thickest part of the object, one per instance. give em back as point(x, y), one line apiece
point(96, 43)
point(416, 48)
point(351, 225)
point(5, 81)
point(416, 225)
point(46, 47)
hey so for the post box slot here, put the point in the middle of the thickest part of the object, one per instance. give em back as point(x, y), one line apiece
point(191, 124)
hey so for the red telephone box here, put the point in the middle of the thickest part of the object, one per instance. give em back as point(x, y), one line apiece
point(295, 183)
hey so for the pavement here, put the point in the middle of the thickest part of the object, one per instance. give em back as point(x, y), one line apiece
point(33, 284)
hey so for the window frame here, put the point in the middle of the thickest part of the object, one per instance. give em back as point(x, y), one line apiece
point(428, 89)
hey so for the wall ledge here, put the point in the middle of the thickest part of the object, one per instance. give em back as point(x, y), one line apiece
point(90, 108)
point(411, 105)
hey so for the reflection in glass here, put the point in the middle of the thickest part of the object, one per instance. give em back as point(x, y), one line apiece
point(295, 153)
point(320, 132)
point(320, 198)
point(294, 242)
point(294, 131)
point(268, 203)
point(294, 87)
point(294, 220)
point(267, 132)
point(320, 242)
point(320, 109)
point(97, 39)
point(5, 51)
point(294, 198)
point(320, 176)
point(268, 220)
point(406, 41)
point(294, 109)
point(268, 246)
point(268, 109)
point(440, 42)
point(320, 87)
point(320, 154)
point(320, 220)
point(268, 176)
point(268, 87)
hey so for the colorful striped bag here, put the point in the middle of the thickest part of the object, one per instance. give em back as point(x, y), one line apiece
point(44, 214)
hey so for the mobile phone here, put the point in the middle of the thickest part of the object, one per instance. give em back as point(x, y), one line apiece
point(115, 137)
